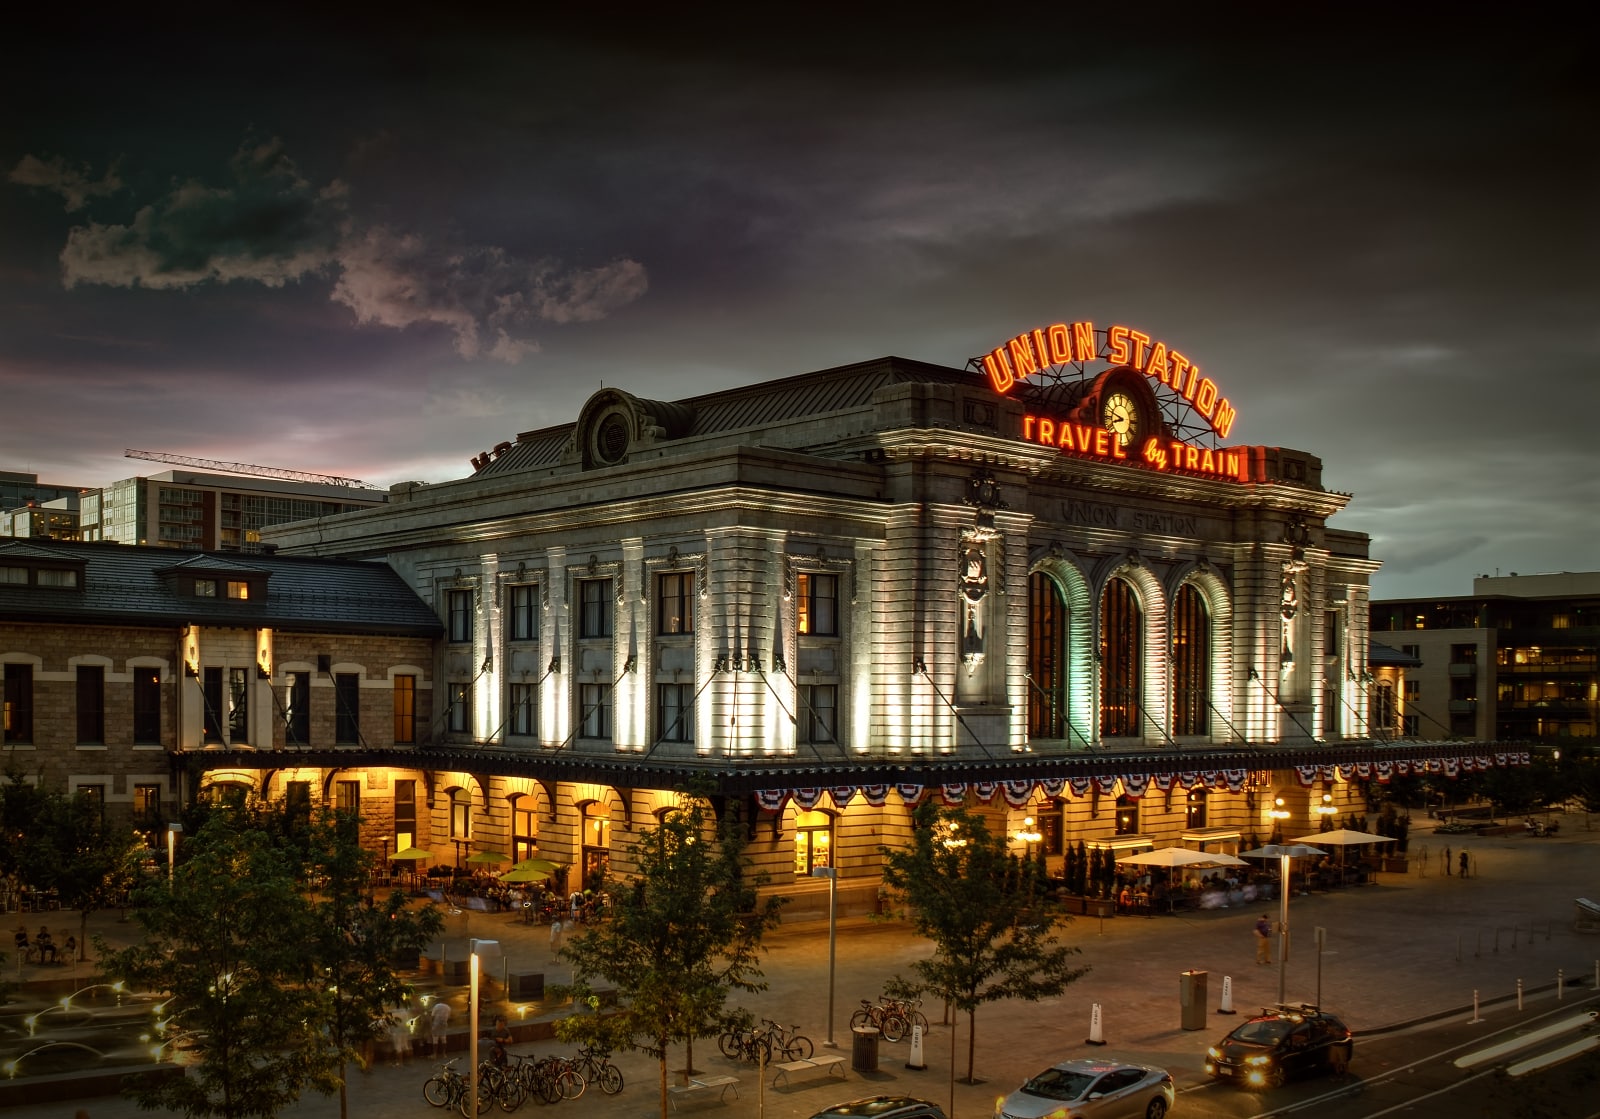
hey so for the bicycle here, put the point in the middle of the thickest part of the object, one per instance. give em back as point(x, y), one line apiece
point(793, 1045)
point(910, 1010)
point(595, 1066)
point(889, 1024)
point(450, 1088)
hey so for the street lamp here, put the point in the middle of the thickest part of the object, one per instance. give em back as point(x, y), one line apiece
point(476, 946)
point(832, 875)
point(1283, 852)
point(172, 849)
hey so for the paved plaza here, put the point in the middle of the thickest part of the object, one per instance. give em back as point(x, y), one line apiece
point(1412, 947)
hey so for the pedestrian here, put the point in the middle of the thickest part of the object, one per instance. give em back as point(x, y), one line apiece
point(422, 1038)
point(555, 935)
point(441, 1022)
point(400, 1033)
point(1264, 940)
point(1463, 864)
point(1448, 868)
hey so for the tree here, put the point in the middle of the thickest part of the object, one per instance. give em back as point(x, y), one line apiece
point(70, 848)
point(684, 934)
point(226, 942)
point(357, 941)
point(992, 928)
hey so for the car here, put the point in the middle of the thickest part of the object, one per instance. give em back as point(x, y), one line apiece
point(1280, 1043)
point(1091, 1089)
point(883, 1107)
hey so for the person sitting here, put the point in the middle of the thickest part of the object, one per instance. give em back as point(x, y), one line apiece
point(69, 947)
point(46, 945)
point(499, 1038)
point(24, 945)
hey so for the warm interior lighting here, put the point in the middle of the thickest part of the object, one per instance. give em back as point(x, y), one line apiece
point(1029, 833)
point(1278, 811)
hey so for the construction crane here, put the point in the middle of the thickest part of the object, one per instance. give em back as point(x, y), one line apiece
point(247, 468)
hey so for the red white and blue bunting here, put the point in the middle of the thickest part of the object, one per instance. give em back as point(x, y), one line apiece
point(1019, 794)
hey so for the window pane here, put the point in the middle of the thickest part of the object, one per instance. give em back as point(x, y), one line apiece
point(91, 704)
point(19, 703)
point(595, 608)
point(238, 705)
point(297, 709)
point(524, 612)
point(594, 718)
point(675, 603)
point(405, 709)
point(146, 706)
point(347, 707)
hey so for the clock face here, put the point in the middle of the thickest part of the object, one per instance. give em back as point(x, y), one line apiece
point(1120, 415)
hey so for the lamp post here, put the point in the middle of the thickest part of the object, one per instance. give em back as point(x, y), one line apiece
point(476, 946)
point(832, 875)
point(1283, 852)
point(172, 849)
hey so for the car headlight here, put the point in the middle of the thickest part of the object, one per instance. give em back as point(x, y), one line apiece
point(1214, 1053)
point(1262, 1060)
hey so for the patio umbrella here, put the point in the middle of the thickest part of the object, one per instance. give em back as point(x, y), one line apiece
point(410, 855)
point(521, 876)
point(1344, 837)
point(541, 867)
point(1171, 857)
point(484, 858)
point(1218, 858)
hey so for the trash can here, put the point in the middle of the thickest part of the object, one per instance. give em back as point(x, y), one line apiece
point(864, 1052)
point(1192, 999)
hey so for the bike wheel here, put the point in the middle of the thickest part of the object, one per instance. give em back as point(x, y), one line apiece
point(860, 1018)
point(549, 1090)
point(610, 1079)
point(729, 1044)
point(799, 1048)
point(436, 1090)
point(894, 1027)
point(570, 1085)
point(920, 1020)
point(511, 1093)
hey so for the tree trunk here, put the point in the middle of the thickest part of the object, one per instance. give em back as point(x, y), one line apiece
point(663, 1064)
point(972, 1040)
point(344, 1097)
point(688, 1057)
point(83, 933)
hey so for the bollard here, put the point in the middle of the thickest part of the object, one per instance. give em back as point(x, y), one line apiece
point(1519, 994)
point(1560, 979)
point(1227, 993)
point(915, 1061)
point(1475, 1017)
point(1095, 1037)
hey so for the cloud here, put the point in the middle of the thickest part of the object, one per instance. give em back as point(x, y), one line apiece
point(270, 225)
point(485, 295)
point(73, 184)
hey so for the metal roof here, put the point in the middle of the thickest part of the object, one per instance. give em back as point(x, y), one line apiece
point(123, 584)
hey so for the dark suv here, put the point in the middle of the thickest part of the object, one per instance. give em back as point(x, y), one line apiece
point(1276, 1044)
point(883, 1107)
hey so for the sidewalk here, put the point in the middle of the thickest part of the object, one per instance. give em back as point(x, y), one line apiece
point(1412, 947)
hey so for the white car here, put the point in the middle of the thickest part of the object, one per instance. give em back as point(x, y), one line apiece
point(1091, 1089)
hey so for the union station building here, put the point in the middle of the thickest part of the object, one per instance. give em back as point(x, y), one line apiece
point(1044, 586)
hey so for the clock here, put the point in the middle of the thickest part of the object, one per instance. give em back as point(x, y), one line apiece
point(1120, 415)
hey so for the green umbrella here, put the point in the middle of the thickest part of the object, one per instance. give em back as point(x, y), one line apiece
point(541, 867)
point(411, 854)
point(483, 858)
point(521, 876)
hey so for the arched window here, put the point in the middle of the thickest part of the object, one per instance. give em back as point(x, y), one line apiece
point(813, 842)
point(524, 826)
point(1191, 663)
point(1121, 640)
point(1047, 658)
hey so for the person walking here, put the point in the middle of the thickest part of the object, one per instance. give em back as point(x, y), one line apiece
point(422, 1039)
point(441, 1022)
point(1448, 869)
point(555, 935)
point(1463, 864)
point(1264, 940)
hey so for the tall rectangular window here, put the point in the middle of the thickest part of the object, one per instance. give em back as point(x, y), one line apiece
point(347, 797)
point(675, 603)
point(147, 804)
point(522, 718)
point(347, 708)
point(459, 720)
point(91, 704)
point(594, 716)
point(19, 702)
point(297, 709)
point(819, 712)
point(817, 605)
point(594, 606)
point(405, 710)
point(239, 705)
point(405, 814)
point(458, 606)
point(146, 706)
point(212, 698)
point(674, 713)
point(524, 611)
point(297, 800)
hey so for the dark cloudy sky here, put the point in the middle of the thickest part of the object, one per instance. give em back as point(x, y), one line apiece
point(375, 250)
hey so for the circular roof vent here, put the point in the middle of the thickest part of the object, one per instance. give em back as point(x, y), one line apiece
point(611, 439)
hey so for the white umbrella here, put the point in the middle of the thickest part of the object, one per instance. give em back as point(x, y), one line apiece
point(1344, 837)
point(1171, 857)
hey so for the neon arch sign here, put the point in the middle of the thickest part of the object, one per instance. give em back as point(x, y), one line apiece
point(1035, 351)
